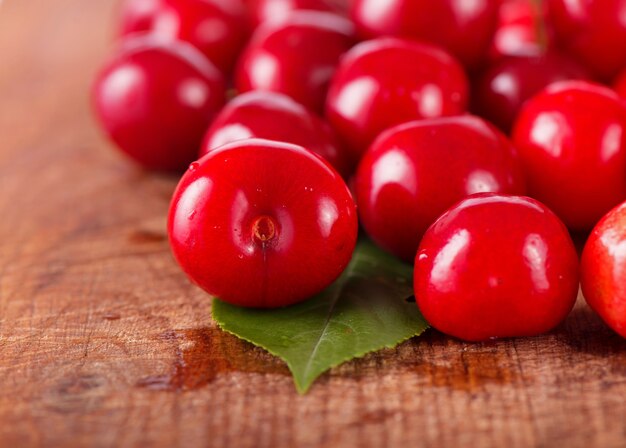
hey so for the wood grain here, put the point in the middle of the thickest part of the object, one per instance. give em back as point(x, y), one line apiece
point(103, 342)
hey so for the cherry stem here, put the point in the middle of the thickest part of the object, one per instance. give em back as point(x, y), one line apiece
point(539, 20)
point(264, 229)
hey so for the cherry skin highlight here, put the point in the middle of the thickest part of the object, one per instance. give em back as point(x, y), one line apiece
point(603, 269)
point(522, 30)
point(593, 32)
point(415, 171)
point(465, 29)
point(366, 96)
point(262, 224)
point(496, 266)
point(572, 140)
point(218, 28)
point(273, 116)
point(506, 84)
point(297, 56)
point(155, 100)
point(262, 11)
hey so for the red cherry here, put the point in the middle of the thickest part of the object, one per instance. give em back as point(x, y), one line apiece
point(496, 266)
point(218, 28)
point(415, 171)
point(277, 117)
point(366, 96)
point(603, 269)
point(138, 15)
point(297, 57)
point(594, 32)
point(278, 10)
point(503, 88)
point(262, 224)
point(156, 99)
point(572, 140)
point(464, 28)
point(620, 84)
point(523, 29)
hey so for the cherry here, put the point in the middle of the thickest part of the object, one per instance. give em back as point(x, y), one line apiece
point(274, 116)
point(572, 140)
point(603, 269)
point(594, 32)
point(262, 224)
point(496, 266)
point(522, 30)
point(415, 171)
point(366, 96)
point(156, 99)
point(278, 10)
point(507, 83)
point(296, 57)
point(218, 28)
point(138, 15)
point(620, 84)
point(464, 28)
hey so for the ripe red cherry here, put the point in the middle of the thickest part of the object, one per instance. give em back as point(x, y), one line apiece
point(366, 96)
point(156, 99)
point(505, 85)
point(262, 224)
point(620, 84)
point(603, 269)
point(277, 117)
point(496, 266)
point(297, 57)
point(572, 140)
point(594, 32)
point(415, 171)
point(218, 28)
point(138, 15)
point(464, 28)
point(278, 10)
point(523, 29)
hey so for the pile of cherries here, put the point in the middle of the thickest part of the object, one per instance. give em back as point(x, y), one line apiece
point(473, 136)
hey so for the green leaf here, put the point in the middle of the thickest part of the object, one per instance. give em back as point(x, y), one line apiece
point(365, 310)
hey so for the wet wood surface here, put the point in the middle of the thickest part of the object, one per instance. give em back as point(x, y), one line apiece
point(103, 342)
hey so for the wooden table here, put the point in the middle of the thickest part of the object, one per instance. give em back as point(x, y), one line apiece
point(103, 342)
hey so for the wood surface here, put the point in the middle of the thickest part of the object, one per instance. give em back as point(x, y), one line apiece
point(103, 342)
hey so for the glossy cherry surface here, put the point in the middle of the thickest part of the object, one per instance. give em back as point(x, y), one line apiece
point(278, 10)
point(603, 269)
point(156, 99)
point(592, 31)
point(496, 266)
point(297, 57)
point(218, 28)
point(506, 84)
point(367, 96)
point(415, 171)
point(277, 117)
point(137, 16)
point(620, 84)
point(572, 140)
point(522, 30)
point(464, 28)
point(262, 224)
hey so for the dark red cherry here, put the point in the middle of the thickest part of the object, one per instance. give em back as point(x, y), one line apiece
point(464, 28)
point(297, 57)
point(572, 140)
point(415, 171)
point(277, 117)
point(262, 224)
point(496, 266)
point(218, 28)
point(592, 31)
point(388, 81)
point(278, 10)
point(155, 100)
point(507, 83)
